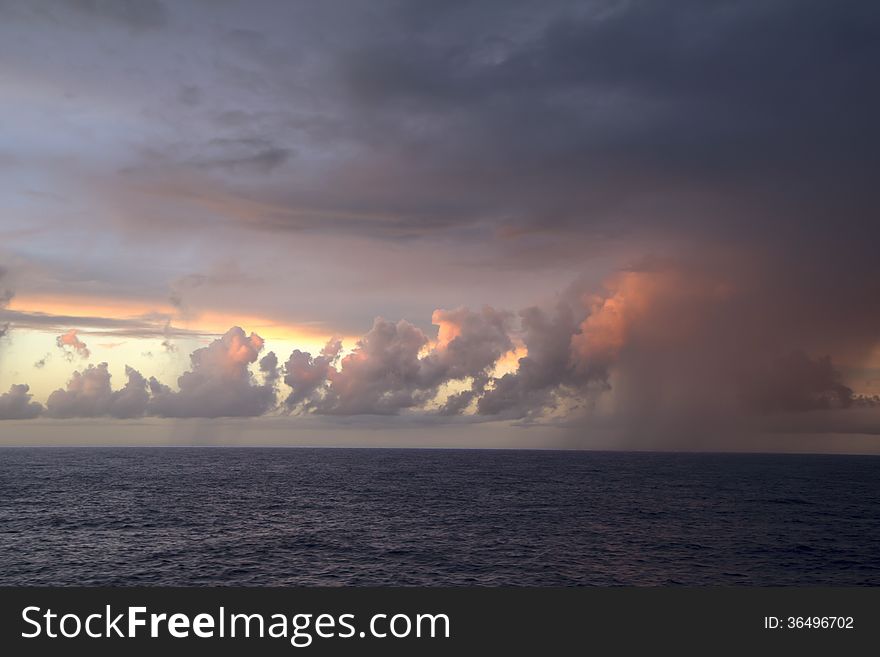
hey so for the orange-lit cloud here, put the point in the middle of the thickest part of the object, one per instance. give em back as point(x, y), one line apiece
point(510, 360)
point(665, 305)
point(83, 306)
point(71, 344)
point(209, 321)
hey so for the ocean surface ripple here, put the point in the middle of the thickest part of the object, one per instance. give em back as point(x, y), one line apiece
point(300, 517)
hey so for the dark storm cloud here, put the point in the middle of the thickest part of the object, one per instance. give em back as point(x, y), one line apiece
point(684, 350)
point(745, 128)
point(731, 147)
point(573, 121)
point(796, 382)
point(693, 121)
point(620, 115)
point(577, 120)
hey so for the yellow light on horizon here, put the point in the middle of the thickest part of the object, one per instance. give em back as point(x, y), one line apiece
point(212, 322)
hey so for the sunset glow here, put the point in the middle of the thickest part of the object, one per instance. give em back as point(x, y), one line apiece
point(605, 224)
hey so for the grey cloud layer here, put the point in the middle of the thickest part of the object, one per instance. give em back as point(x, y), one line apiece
point(383, 158)
point(5, 297)
point(404, 121)
point(504, 137)
point(144, 327)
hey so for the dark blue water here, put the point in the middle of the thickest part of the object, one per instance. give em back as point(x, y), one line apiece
point(181, 516)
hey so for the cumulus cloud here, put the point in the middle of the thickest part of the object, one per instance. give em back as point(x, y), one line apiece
point(89, 394)
point(666, 346)
point(269, 368)
point(71, 345)
point(157, 387)
point(544, 371)
point(132, 399)
point(17, 405)
point(395, 366)
point(457, 403)
point(219, 383)
point(307, 375)
point(469, 345)
point(382, 374)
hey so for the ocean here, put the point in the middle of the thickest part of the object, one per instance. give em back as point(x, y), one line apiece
point(365, 517)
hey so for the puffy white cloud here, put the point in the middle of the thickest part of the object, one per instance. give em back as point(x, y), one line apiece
point(381, 376)
point(17, 405)
point(307, 376)
point(468, 344)
point(388, 372)
point(219, 383)
point(89, 394)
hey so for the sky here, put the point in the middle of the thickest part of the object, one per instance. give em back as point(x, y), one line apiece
point(608, 224)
